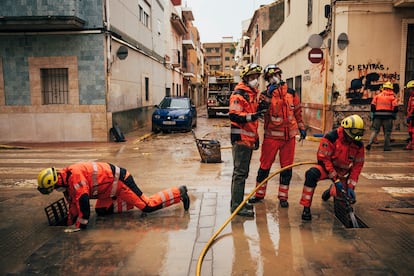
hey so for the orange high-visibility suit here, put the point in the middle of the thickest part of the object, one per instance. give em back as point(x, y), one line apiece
point(338, 158)
point(281, 124)
point(112, 186)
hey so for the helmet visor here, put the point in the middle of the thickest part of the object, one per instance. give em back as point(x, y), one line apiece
point(356, 131)
point(45, 191)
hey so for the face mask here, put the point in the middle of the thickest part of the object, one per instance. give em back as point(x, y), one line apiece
point(274, 80)
point(254, 83)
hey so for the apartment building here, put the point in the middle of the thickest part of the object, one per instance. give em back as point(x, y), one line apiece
point(220, 57)
point(70, 70)
point(336, 54)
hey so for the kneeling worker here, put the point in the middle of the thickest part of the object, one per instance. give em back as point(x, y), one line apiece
point(112, 186)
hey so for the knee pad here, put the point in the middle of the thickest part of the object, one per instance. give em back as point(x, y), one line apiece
point(286, 176)
point(312, 176)
point(262, 174)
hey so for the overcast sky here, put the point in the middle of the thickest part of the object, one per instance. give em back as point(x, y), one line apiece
point(217, 18)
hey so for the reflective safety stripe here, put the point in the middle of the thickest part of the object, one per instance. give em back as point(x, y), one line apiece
point(276, 119)
point(78, 185)
point(275, 133)
point(236, 107)
point(249, 117)
point(95, 179)
point(242, 131)
point(119, 208)
point(165, 202)
point(115, 182)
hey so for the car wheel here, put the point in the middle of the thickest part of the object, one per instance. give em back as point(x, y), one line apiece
point(155, 129)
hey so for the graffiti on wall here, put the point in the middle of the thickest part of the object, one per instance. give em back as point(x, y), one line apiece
point(368, 81)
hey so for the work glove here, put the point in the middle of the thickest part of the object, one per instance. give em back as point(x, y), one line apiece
point(351, 195)
point(256, 144)
point(338, 185)
point(256, 115)
point(263, 107)
point(302, 134)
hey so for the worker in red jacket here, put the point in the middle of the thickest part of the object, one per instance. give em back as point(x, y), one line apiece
point(410, 115)
point(282, 122)
point(340, 158)
point(112, 186)
point(384, 107)
point(243, 116)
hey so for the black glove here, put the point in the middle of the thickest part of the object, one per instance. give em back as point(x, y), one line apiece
point(302, 134)
point(256, 144)
point(263, 107)
point(256, 115)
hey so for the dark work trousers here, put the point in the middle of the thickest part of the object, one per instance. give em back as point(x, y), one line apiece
point(242, 155)
point(386, 123)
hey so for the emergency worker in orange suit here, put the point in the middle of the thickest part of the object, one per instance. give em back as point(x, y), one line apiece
point(244, 117)
point(384, 107)
point(112, 186)
point(282, 122)
point(340, 158)
point(410, 115)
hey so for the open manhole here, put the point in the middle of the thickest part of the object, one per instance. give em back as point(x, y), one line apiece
point(344, 212)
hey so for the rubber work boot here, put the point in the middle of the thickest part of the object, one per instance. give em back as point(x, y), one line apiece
point(184, 197)
point(306, 215)
point(326, 194)
point(244, 212)
point(255, 199)
point(247, 205)
point(283, 203)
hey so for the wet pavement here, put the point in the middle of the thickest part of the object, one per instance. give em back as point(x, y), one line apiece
point(169, 241)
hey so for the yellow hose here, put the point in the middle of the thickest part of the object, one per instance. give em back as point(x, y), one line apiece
point(211, 240)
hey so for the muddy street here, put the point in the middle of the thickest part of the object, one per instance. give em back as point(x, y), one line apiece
point(169, 241)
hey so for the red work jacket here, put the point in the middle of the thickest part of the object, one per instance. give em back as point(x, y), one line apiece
point(243, 103)
point(284, 117)
point(341, 157)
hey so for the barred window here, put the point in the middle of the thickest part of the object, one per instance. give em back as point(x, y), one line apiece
point(55, 86)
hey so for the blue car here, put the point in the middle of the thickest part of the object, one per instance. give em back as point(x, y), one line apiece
point(174, 113)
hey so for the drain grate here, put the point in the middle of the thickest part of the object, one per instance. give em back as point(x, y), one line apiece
point(57, 213)
point(346, 215)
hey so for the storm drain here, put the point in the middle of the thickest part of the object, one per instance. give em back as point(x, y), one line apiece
point(346, 215)
point(57, 213)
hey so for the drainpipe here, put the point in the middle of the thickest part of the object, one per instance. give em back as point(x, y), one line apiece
point(325, 92)
point(108, 53)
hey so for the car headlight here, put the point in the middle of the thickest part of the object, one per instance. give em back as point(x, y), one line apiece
point(157, 116)
point(182, 117)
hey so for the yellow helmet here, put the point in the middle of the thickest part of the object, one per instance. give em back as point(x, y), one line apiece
point(410, 84)
point(388, 85)
point(354, 127)
point(46, 180)
point(250, 69)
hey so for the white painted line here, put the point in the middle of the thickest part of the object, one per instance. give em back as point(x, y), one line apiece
point(398, 190)
point(389, 176)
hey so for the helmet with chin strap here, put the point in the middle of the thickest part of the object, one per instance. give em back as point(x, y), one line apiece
point(270, 70)
point(353, 127)
point(251, 69)
point(46, 180)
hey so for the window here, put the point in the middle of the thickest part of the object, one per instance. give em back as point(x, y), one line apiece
point(146, 89)
point(144, 15)
point(298, 86)
point(55, 86)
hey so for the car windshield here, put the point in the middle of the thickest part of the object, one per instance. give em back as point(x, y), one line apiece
point(174, 103)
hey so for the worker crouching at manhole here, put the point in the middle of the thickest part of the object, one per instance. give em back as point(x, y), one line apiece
point(112, 186)
point(340, 158)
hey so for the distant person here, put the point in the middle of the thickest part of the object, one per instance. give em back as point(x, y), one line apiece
point(410, 115)
point(384, 107)
point(112, 186)
point(244, 117)
point(282, 122)
point(340, 158)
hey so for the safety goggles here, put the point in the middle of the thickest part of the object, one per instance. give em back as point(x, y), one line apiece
point(356, 131)
point(255, 68)
point(45, 191)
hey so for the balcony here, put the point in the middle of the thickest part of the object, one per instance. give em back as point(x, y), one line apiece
point(188, 41)
point(40, 23)
point(175, 58)
point(178, 24)
point(188, 70)
point(403, 3)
